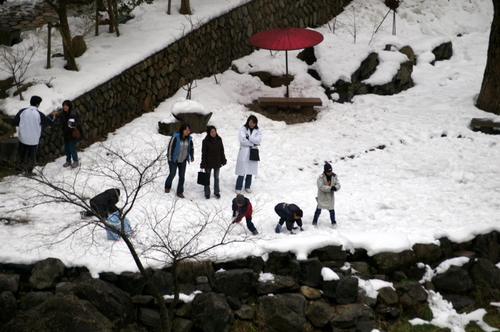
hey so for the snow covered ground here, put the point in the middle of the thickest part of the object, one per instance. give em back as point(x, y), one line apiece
point(434, 178)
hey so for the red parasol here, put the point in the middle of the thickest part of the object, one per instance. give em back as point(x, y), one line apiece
point(285, 39)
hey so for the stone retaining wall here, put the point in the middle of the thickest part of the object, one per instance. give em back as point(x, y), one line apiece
point(279, 294)
point(201, 53)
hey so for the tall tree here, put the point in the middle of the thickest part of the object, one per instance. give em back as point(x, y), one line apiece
point(61, 8)
point(489, 96)
point(185, 7)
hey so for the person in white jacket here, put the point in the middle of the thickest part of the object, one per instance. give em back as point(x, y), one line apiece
point(249, 137)
point(327, 184)
point(30, 122)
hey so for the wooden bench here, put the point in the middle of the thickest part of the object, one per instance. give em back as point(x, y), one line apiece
point(485, 125)
point(271, 104)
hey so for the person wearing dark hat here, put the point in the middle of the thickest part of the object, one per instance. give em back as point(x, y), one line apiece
point(212, 158)
point(30, 122)
point(328, 184)
point(289, 213)
point(243, 208)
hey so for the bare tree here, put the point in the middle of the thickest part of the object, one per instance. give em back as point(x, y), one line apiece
point(351, 25)
point(489, 96)
point(61, 8)
point(134, 168)
point(15, 60)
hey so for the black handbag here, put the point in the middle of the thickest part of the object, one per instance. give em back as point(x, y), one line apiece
point(203, 179)
point(254, 154)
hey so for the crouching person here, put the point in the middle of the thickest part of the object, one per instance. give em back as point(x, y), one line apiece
point(114, 221)
point(289, 213)
point(243, 208)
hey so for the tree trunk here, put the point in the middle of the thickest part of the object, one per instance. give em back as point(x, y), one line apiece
point(62, 12)
point(489, 96)
point(185, 7)
point(169, 6)
point(113, 17)
point(164, 311)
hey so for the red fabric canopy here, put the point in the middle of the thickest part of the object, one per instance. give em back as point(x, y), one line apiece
point(285, 39)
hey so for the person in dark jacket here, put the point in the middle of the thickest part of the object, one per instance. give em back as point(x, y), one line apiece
point(212, 158)
point(30, 122)
point(103, 204)
point(243, 208)
point(288, 213)
point(68, 119)
point(180, 151)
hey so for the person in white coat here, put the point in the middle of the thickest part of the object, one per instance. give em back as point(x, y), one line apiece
point(327, 184)
point(249, 137)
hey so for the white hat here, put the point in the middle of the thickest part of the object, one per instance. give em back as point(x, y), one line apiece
point(71, 120)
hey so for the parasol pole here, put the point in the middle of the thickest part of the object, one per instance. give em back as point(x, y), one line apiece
point(286, 77)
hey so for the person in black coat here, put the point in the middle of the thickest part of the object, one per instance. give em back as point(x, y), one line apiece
point(212, 158)
point(68, 119)
point(103, 204)
point(288, 213)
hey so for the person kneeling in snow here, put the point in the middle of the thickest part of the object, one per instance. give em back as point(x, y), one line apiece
point(114, 221)
point(288, 213)
point(243, 208)
point(103, 204)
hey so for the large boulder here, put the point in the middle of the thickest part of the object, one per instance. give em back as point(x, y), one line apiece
point(8, 306)
point(282, 263)
point(211, 313)
point(111, 301)
point(46, 273)
point(32, 299)
point(455, 280)
point(238, 283)
point(279, 284)
point(310, 272)
point(353, 317)
point(9, 283)
point(284, 312)
point(62, 313)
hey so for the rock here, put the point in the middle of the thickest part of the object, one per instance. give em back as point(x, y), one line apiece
point(455, 280)
point(388, 296)
point(443, 51)
point(245, 312)
point(60, 313)
point(79, 46)
point(163, 281)
point(32, 299)
point(211, 313)
point(9, 283)
point(284, 312)
point(319, 313)
point(8, 306)
point(198, 122)
point(310, 272)
point(46, 273)
point(310, 293)
point(238, 283)
point(111, 301)
point(280, 284)
point(181, 325)
point(411, 294)
point(347, 290)
point(486, 276)
point(133, 282)
point(390, 262)
point(150, 318)
point(427, 253)
point(353, 317)
point(282, 263)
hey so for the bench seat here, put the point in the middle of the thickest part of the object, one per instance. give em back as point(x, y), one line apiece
point(271, 104)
